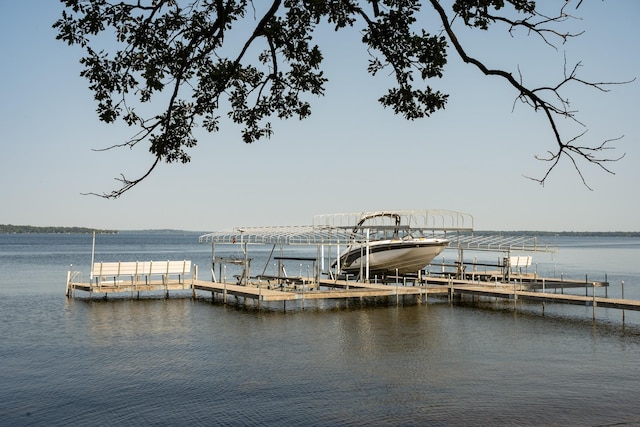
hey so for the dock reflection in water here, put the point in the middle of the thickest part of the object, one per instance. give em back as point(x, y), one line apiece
point(178, 361)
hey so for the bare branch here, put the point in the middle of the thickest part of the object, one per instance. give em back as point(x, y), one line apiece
point(177, 51)
point(126, 183)
point(538, 27)
point(533, 98)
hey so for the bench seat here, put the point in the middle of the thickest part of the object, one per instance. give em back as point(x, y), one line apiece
point(115, 272)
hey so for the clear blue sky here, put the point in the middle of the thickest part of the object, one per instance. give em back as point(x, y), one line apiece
point(351, 155)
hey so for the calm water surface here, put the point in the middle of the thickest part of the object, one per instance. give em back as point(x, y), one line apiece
point(182, 362)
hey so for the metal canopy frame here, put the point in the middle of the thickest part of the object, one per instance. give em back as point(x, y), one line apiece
point(424, 220)
point(500, 243)
point(337, 229)
point(280, 235)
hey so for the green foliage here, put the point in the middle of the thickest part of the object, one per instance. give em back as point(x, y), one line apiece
point(183, 47)
point(195, 60)
point(477, 13)
point(15, 229)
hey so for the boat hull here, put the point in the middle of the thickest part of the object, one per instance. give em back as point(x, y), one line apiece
point(391, 256)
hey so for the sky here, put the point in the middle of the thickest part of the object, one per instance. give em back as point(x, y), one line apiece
point(351, 155)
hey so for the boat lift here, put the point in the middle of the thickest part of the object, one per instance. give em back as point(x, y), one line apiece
point(334, 230)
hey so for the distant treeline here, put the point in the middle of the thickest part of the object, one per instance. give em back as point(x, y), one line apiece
point(560, 233)
point(13, 229)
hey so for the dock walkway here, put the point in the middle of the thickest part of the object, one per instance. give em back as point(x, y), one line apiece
point(525, 289)
point(328, 289)
point(340, 289)
point(509, 291)
point(332, 289)
point(124, 286)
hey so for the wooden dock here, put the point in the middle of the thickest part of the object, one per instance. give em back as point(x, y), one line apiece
point(341, 289)
point(133, 277)
point(507, 278)
point(327, 289)
point(511, 292)
point(124, 287)
point(298, 290)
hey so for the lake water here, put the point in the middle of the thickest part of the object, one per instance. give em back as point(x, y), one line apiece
point(76, 362)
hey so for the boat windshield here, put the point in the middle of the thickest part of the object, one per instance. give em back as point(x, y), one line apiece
point(380, 226)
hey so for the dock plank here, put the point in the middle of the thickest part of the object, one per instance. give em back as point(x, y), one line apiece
point(508, 291)
point(344, 290)
point(340, 289)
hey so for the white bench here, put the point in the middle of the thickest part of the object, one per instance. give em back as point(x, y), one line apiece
point(112, 273)
point(520, 261)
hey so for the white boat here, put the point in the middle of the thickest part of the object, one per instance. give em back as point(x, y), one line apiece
point(383, 246)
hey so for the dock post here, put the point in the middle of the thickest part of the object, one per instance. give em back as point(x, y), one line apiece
point(67, 290)
point(194, 277)
point(623, 298)
point(396, 286)
point(224, 293)
point(594, 301)
point(543, 291)
point(586, 286)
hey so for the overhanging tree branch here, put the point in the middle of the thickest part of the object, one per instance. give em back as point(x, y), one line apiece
point(532, 98)
point(126, 183)
point(178, 55)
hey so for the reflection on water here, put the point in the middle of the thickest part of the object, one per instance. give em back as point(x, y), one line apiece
point(120, 320)
point(181, 361)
